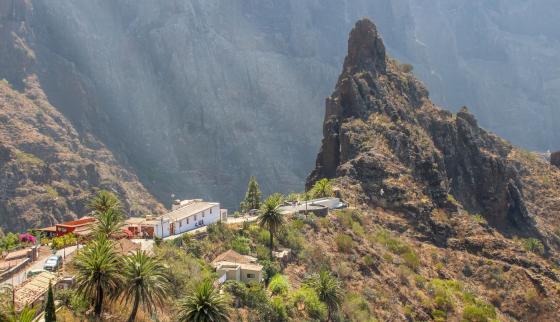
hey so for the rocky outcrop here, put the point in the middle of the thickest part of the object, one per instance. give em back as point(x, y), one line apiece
point(47, 172)
point(384, 138)
point(489, 209)
point(555, 159)
point(199, 95)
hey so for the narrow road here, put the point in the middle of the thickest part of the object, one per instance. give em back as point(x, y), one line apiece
point(20, 277)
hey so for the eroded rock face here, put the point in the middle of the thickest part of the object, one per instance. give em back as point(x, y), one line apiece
point(555, 159)
point(383, 135)
point(47, 173)
point(199, 95)
point(48, 170)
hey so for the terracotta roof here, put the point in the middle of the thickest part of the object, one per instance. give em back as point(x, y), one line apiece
point(51, 229)
point(233, 257)
point(80, 222)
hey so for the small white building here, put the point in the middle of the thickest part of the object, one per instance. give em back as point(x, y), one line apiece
point(185, 215)
point(232, 266)
point(188, 215)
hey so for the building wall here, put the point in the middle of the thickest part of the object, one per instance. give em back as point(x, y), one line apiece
point(207, 217)
point(257, 276)
point(327, 202)
point(158, 231)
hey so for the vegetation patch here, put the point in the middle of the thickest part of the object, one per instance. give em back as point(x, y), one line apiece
point(399, 247)
point(344, 243)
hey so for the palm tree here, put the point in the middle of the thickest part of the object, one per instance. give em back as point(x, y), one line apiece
point(99, 267)
point(271, 218)
point(27, 314)
point(328, 288)
point(145, 280)
point(205, 304)
point(104, 201)
point(322, 188)
point(109, 222)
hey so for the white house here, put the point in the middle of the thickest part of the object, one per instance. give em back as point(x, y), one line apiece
point(232, 266)
point(188, 215)
point(185, 215)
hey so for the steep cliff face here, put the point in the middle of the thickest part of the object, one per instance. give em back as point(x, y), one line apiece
point(384, 138)
point(48, 171)
point(199, 95)
point(439, 179)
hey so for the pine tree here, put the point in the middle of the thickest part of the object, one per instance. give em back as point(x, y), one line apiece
point(252, 197)
point(50, 315)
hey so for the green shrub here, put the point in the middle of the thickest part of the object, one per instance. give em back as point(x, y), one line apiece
point(358, 229)
point(344, 243)
point(348, 217)
point(262, 252)
point(315, 258)
point(237, 290)
point(356, 308)
point(279, 310)
point(241, 245)
point(368, 260)
point(219, 232)
point(399, 247)
point(439, 315)
point(279, 285)
point(256, 295)
point(270, 269)
point(443, 292)
point(314, 308)
point(192, 246)
point(291, 237)
point(479, 219)
point(479, 312)
point(533, 245)
point(411, 260)
point(264, 237)
point(9, 241)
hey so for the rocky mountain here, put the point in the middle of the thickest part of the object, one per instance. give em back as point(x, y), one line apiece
point(48, 173)
point(439, 179)
point(198, 95)
point(49, 170)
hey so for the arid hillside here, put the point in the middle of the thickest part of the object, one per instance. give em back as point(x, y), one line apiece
point(476, 209)
point(47, 172)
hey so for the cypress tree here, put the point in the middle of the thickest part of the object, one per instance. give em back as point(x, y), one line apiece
point(252, 197)
point(50, 315)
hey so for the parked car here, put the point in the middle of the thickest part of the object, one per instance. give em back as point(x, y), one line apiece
point(53, 263)
point(34, 272)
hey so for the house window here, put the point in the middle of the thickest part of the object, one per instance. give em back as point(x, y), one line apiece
point(187, 220)
point(180, 224)
point(250, 275)
point(210, 210)
point(194, 217)
point(203, 214)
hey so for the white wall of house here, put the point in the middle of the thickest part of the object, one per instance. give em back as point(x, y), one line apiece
point(326, 202)
point(197, 220)
point(166, 229)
